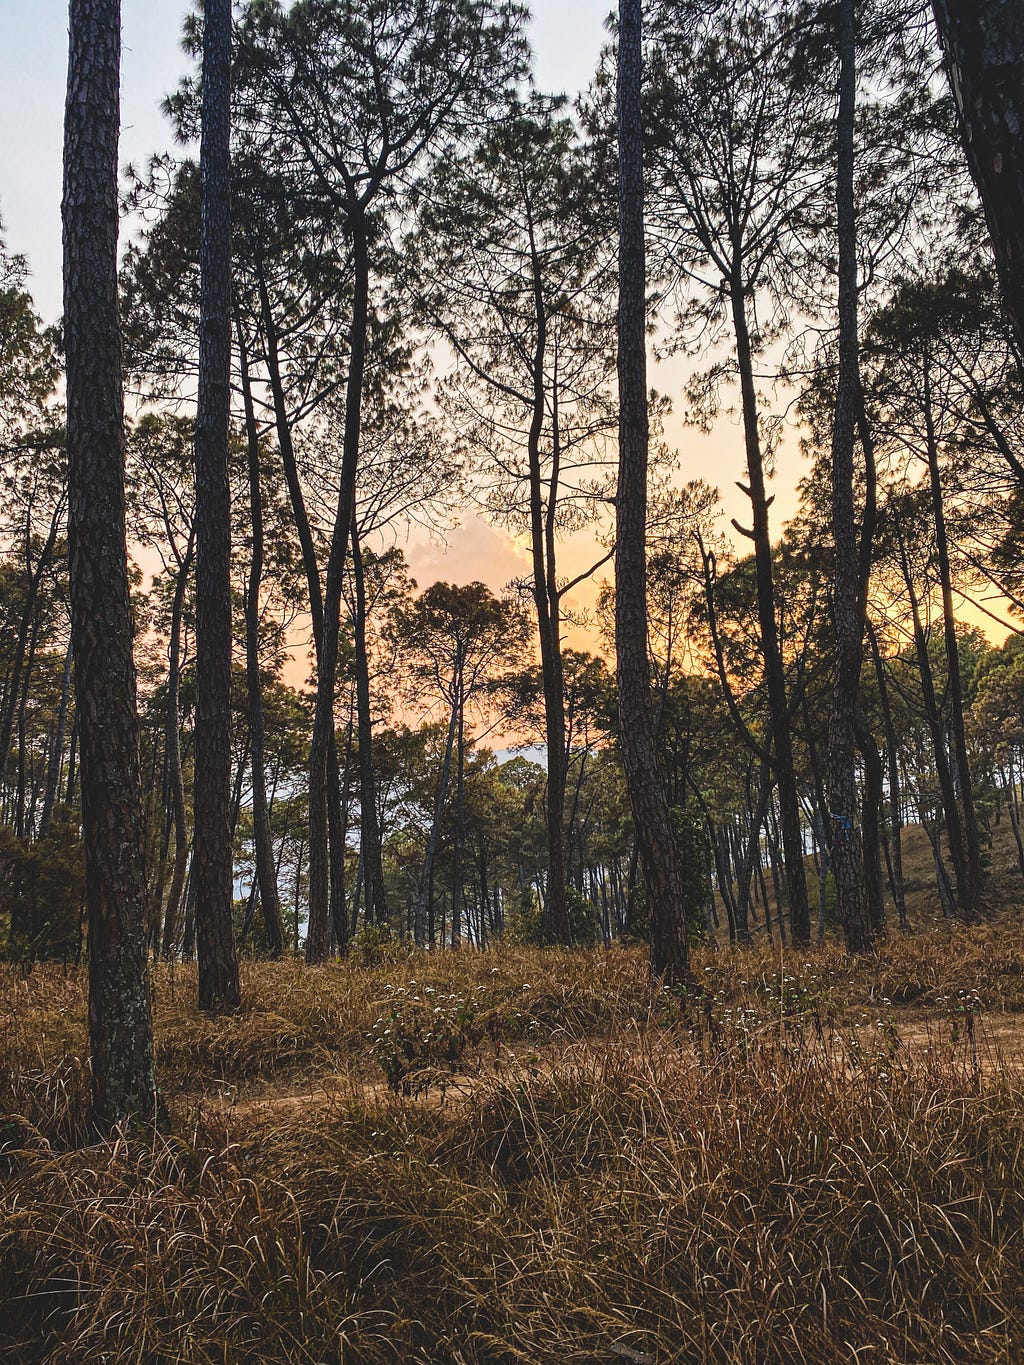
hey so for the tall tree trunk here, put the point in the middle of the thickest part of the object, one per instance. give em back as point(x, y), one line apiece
point(263, 839)
point(1013, 809)
point(212, 865)
point(971, 890)
point(343, 926)
point(289, 463)
point(983, 43)
point(120, 1017)
point(774, 668)
point(331, 850)
point(327, 663)
point(485, 897)
point(369, 823)
point(846, 839)
point(546, 604)
point(751, 854)
point(644, 778)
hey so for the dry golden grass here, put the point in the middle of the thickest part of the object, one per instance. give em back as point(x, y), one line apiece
point(526, 1156)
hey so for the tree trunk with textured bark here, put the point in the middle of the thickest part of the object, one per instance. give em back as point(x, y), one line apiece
point(458, 888)
point(424, 913)
point(846, 838)
point(871, 806)
point(645, 780)
point(120, 1018)
point(983, 44)
point(212, 864)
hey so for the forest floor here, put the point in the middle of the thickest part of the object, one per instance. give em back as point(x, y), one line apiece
point(527, 1156)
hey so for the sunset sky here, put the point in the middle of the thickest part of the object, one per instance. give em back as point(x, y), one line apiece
point(567, 36)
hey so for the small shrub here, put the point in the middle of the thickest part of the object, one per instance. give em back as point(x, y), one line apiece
point(422, 1035)
point(42, 893)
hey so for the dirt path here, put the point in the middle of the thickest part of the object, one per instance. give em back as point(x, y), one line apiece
point(994, 1043)
point(997, 1040)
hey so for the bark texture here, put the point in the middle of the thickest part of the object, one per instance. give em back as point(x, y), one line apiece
point(666, 910)
point(120, 1023)
point(846, 839)
point(212, 859)
point(983, 43)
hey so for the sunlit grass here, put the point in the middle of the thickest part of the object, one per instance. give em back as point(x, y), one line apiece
point(812, 1160)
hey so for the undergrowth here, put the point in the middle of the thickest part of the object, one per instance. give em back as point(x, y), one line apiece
point(525, 1157)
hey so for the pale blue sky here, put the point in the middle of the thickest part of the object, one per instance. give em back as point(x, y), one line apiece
point(566, 34)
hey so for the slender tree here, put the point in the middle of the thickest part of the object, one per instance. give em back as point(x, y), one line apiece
point(212, 867)
point(517, 278)
point(848, 592)
point(266, 872)
point(739, 171)
point(391, 105)
point(669, 951)
point(456, 640)
point(120, 1023)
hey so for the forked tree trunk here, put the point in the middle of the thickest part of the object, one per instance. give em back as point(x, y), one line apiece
point(120, 1021)
point(644, 778)
point(212, 866)
point(937, 732)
